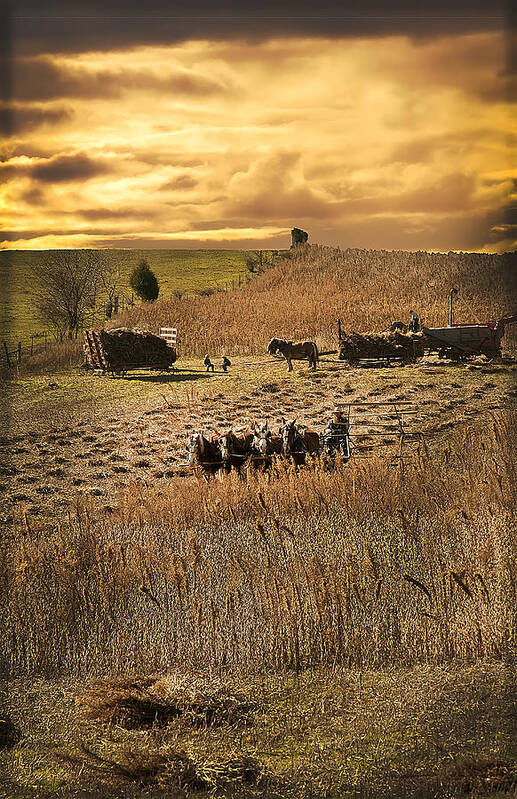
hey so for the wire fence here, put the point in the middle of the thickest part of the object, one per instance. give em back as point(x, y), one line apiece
point(12, 355)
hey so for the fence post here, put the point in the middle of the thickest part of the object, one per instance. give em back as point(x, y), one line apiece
point(32, 343)
point(115, 305)
point(45, 339)
point(7, 355)
point(19, 352)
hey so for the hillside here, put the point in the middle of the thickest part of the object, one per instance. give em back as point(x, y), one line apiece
point(304, 295)
point(330, 630)
point(177, 270)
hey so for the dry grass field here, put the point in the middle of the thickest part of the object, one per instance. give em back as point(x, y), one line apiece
point(73, 436)
point(304, 295)
point(310, 633)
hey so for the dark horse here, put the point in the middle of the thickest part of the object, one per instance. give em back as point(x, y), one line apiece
point(235, 449)
point(298, 443)
point(294, 351)
point(204, 453)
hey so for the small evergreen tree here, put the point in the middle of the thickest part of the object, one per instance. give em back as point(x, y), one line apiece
point(144, 282)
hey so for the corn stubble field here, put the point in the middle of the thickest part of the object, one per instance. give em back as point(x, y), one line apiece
point(320, 634)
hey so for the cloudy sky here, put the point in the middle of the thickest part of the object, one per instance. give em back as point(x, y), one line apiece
point(176, 125)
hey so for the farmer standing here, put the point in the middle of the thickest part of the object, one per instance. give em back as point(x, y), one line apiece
point(414, 323)
point(208, 363)
point(336, 434)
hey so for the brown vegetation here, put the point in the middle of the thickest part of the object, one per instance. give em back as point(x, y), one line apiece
point(366, 566)
point(428, 731)
point(304, 295)
point(139, 702)
point(167, 768)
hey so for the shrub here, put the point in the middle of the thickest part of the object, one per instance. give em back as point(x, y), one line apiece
point(144, 282)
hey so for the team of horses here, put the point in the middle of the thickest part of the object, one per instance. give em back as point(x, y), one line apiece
point(256, 448)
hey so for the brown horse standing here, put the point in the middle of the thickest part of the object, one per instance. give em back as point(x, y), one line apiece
point(294, 351)
point(205, 453)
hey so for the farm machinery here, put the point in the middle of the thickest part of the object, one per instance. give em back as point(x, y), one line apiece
point(457, 342)
point(464, 340)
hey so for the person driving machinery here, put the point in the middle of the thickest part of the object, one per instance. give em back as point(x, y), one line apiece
point(336, 434)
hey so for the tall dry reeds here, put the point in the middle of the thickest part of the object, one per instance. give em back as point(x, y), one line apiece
point(304, 295)
point(366, 566)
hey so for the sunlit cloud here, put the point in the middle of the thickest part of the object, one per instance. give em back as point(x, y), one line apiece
point(386, 142)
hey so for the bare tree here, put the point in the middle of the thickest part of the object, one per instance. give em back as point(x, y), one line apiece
point(109, 280)
point(66, 286)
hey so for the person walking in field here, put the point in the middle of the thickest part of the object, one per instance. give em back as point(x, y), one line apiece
point(226, 363)
point(208, 363)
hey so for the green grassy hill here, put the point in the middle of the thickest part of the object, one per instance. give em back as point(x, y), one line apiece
point(177, 270)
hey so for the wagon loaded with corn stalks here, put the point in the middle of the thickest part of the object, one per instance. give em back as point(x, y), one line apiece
point(458, 342)
point(121, 350)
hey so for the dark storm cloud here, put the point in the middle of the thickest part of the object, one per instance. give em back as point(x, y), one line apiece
point(67, 168)
point(94, 214)
point(16, 118)
point(58, 169)
point(40, 79)
point(115, 24)
point(24, 235)
point(176, 159)
point(33, 196)
point(181, 183)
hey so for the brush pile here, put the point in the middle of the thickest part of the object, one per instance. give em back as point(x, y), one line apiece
point(141, 702)
point(121, 348)
point(170, 769)
point(355, 347)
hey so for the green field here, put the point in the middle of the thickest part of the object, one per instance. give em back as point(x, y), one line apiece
point(177, 270)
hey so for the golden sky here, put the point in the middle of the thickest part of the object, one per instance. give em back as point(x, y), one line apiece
point(385, 142)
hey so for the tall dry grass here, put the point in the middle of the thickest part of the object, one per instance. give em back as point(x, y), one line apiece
point(304, 295)
point(366, 566)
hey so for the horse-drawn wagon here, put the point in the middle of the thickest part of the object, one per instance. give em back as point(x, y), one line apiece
point(457, 341)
